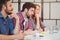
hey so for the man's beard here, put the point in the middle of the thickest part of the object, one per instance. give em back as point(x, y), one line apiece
point(27, 15)
point(9, 13)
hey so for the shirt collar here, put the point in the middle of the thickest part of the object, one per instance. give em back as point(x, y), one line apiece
point(1, 15)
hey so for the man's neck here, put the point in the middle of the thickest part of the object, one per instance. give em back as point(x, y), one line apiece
point(4, 14)
point(24, 14)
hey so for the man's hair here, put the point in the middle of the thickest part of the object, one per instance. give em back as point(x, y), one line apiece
point(28, 5)
point(3, 2)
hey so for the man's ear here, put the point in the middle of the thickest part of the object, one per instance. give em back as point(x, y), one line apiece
point(26, 10)
point(4, 7)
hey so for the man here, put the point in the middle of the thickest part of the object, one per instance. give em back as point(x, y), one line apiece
point(6, 26)
point(25, 23)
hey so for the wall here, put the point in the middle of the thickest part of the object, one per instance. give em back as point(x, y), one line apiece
point(51, 10)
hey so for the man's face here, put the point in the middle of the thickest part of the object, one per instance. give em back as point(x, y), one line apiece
point(9, 8)
point(30, 12)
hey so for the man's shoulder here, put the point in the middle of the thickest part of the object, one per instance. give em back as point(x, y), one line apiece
point(20, 14)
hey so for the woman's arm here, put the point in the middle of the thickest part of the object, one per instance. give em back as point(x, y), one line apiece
point(38, 26)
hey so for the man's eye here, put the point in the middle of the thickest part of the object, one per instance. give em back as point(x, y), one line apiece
point(10, 5)
point(32, 10)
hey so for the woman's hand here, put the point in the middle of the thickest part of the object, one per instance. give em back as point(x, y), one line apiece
point(37, 16)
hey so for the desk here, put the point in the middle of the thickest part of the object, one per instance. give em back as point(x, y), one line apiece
point(43, 36)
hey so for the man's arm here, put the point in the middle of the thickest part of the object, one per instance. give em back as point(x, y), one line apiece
point(6, 37)
point(29, 32)
point(11, 37)
point(17, 26)
point(16, 22)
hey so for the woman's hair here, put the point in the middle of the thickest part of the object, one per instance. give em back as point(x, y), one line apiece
point(37, 5)
point(33, 16)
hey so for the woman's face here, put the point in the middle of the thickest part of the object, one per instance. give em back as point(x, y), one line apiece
point(37, 10)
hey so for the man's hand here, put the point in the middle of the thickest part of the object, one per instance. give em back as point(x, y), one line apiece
point(20, 35)
point(14, 15)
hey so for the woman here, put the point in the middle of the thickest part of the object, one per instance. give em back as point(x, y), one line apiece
point(36, 20)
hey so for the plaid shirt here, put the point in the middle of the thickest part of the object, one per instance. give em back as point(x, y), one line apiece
point(21, 20)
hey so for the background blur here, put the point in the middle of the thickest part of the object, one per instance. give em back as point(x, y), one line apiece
point(50, 10)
